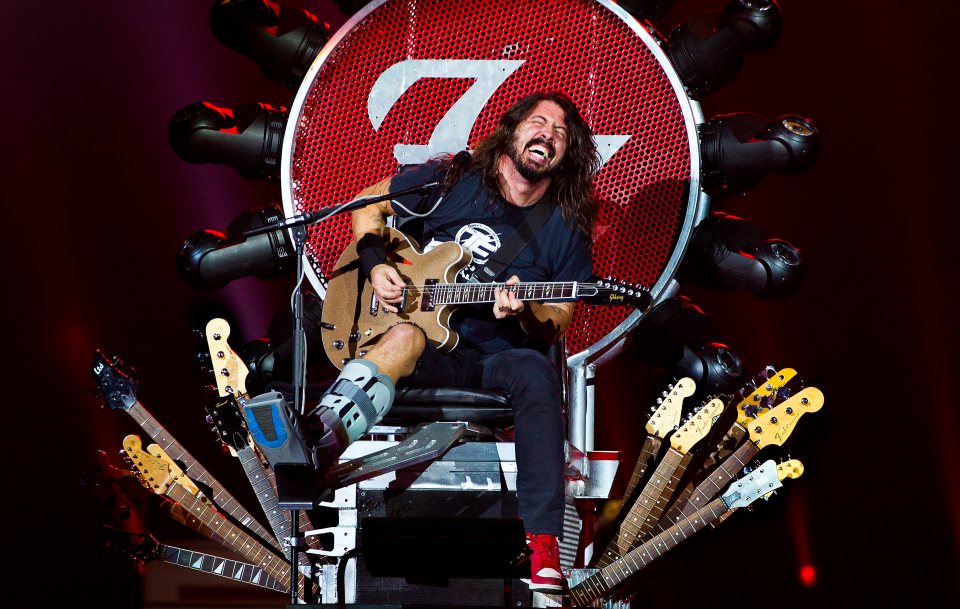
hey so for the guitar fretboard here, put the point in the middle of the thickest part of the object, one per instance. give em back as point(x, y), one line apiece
point(649, 506)
point(235, 538)
point(219, 495)
point(472, 293)
point(716, 481)
point(620, 569)
point(222, 567)
point(648, 454)
point(267, 496)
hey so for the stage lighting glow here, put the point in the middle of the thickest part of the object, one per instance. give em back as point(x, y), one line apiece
point(283, 40)
point(727, 252)
point(209, 259)
point(248, 137)
point(708, 57)
point(677, 335)
point(740, 149)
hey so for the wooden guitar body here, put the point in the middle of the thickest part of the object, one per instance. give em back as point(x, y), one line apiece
point(355, 313)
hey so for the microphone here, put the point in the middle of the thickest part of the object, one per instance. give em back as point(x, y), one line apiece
point(459, 163)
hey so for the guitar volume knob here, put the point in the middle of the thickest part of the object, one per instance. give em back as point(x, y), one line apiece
point(338, 344)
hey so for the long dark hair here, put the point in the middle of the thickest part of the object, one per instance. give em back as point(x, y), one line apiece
point(571, 185)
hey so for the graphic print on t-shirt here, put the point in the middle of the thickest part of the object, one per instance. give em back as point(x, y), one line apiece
point(479, 239)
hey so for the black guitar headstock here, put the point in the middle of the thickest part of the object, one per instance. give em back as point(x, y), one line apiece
point(610, 291)
point(229, 424)
point(115, 380)
point(139, 546)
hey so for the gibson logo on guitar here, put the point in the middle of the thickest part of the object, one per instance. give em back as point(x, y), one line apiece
point(430, 295)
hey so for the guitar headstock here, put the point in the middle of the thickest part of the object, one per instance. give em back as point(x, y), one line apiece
point(791, 468)
point(667, 415)
point(229, 370)
point(697, 427)
point(115, 380)
point(139, 546)
point(229, 423)
point(176, 473)
point(154, 473)
point(611, 291)
point(776, 425)
point(761, 396)
point(758, 483)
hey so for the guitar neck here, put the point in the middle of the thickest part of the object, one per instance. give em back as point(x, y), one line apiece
point(474, 293)
point(265, 486)
point(648, 455)
point(221, 567)
point(718, 479)
point(649, 506)
point(731, 441)
point(616, 573)
point(266, 493)
point(242, 543)
point(219, 495)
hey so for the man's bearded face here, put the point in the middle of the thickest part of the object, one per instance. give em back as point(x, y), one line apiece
point(540, 142)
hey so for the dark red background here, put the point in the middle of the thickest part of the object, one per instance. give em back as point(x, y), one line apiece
point(96, 204)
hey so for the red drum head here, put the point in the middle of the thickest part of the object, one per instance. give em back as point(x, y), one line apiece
point(405, 80)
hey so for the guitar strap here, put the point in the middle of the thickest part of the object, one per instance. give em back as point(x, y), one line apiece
point(514, 244)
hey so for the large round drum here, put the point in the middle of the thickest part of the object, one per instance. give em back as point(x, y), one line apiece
point(405, 80)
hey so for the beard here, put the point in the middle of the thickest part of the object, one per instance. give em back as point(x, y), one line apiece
point(528, 171)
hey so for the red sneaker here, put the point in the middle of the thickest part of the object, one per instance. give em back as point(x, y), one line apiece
point(545, 572)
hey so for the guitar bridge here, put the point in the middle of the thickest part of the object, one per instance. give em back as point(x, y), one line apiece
point(427, 303)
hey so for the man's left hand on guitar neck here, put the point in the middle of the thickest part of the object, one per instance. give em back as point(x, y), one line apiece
point(507, 304)
point(546, 321)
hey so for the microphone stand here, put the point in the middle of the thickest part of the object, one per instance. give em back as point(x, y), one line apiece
point(297, 226)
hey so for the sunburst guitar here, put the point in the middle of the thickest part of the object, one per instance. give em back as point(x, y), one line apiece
point(431, 294)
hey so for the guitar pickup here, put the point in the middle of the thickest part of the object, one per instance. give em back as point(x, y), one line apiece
point(427, 303)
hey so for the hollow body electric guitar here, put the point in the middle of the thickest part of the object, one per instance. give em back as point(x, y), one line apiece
point(430, 295)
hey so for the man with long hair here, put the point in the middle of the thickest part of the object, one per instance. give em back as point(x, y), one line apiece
point(541, 153)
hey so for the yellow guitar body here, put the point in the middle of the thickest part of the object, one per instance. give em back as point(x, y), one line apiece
point(357, 318)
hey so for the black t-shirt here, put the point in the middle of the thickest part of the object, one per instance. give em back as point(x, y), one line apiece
point(481, 222)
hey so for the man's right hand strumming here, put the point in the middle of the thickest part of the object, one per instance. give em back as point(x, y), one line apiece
point(387, 285)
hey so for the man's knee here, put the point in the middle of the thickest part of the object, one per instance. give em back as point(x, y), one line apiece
point(406, 334)
point(397, 351)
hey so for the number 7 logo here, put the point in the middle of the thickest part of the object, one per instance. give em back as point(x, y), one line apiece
point(451, 133)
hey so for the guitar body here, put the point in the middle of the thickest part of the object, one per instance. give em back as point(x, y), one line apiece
point(356, 315)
